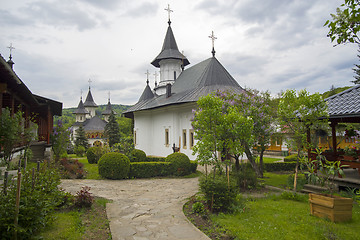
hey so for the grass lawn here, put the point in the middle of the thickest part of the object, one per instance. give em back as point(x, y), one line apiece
point(80, 223)
point(91, 169)
point(270, 160)
point(277, 218)
point(275, 179)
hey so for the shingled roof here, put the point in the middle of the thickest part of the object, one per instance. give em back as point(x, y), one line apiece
point(199, 80)
point(81, 109)
point(169, 50)
point(345, 104)
point(89, 101)
point(108, 109)
point(147, 93)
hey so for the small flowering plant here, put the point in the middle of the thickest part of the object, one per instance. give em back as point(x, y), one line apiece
point(351, 151)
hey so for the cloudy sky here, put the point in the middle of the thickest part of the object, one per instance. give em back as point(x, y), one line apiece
point(268, 45)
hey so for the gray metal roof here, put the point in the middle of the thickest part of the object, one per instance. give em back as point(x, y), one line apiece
point(108, 109)
point(94, 124)
point(81, 109)
point(201, 79)
point(147, 93)
point(169, 50)
point(346, 103)
point(89, 101)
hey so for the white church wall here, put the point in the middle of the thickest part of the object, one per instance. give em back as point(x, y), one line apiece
point(151, 127)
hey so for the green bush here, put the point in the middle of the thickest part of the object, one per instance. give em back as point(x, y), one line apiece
point(301, 181)
point(290, 158)
point(114, 165)
point(93, 154)
point(155, 159)
point(137, 155)
point(218, 194)
point(149, 169)
point(280, 166)
point(37, 202)
point(79, 151)
point(180, 164)
point(193, 166)
point(246, 177)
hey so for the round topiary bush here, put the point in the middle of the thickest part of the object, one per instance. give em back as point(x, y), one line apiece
point(114, 165)
point(180, 164)
point(137, 155)
point(93, 154)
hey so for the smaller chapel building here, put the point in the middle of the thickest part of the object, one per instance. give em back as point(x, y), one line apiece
point(162, 116)
point(93, 125)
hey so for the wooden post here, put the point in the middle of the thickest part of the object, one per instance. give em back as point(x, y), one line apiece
point(17, 204)
point(6, 175)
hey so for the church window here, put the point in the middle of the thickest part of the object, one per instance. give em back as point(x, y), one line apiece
point(135, 141)
point(174, 75)
point(80, 118)
point(191, 138)
point(167, 137)
point(184, 138)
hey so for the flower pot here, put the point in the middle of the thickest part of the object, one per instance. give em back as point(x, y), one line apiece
point(337, 209)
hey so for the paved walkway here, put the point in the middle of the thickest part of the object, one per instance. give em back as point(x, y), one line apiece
point(144, 209)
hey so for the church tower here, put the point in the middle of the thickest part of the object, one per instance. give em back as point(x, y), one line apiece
point(106, 113)
point(90, 105)
point(170, 61)
point(81, 113)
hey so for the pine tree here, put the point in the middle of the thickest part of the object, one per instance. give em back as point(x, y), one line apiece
point(356, 70)
point(80, 139)
point(112, 130)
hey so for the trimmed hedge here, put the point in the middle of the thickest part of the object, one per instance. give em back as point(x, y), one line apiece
point(114, 165)
point(290, 158)
point(149, 169)
point(193, 166)
point(280, 166)
point(180, 163)
point(137, 155)
point(93, 154)
point(154, 159)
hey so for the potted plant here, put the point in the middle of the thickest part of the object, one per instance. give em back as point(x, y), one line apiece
point(335, 208)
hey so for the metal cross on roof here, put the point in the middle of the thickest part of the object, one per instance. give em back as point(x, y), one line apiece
point(213, 38)
point(109, 96)
point(169, 11)
point(11, 48)
point(81, 92)
point(156, 74)
point(89, 82)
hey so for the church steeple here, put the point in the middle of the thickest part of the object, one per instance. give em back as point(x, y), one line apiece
point(89, 103)
point(108, 110)
point(81, 112)
point(147, 93)
point(170, 60)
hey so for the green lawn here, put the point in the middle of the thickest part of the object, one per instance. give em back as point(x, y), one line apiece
point(270, 160)
point(276, 180)
point(277, 218)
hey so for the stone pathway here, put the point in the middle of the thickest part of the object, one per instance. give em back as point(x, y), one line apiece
point(144, 209)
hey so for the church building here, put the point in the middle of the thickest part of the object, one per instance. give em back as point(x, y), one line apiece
point(162, 116)
point(93, 125)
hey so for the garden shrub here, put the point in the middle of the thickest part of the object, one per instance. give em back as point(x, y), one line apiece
point(301, 181)
point(79, 151)
point(291, 158)
point(279, 166)
point(149, 169)
point(72, 168)
point(180, 163)
point(154, 159)
point(114, 165)
point(83, 198)
point(246, 177)
point(39, 198)
point(218, 194)
point(93, 154)
point(137, 155)
point(193, 166)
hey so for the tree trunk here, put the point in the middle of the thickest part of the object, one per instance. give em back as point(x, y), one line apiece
point(250, 157)
point(261, 163)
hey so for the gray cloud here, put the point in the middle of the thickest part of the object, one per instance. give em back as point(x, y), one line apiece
point(144, 9)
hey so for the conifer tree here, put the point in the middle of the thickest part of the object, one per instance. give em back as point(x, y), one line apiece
point(80, 139)
point(112, 131)
point(356, 70)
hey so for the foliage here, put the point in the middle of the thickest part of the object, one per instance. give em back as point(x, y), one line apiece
point(198, 207)
point(79, 151)
point(219, 196)
point(93, 154)
point(150, 169)
point(357, 72)
point(334, 91)
point(193, 166)
point(112, 131)
point(125, 146)
point(245, 177)
point(92, 170)
point(72, 168)
point(291, 158)
point(155, 159)
point(180, 163)
point(280, 166)
point(60, 139)
point(137, 155)
point(301, 181)
point(39, 197)
point(84, 198)
point(80, 138)
point(114, 166)
point(345, 23)
point(125, 126)
point(219, 128)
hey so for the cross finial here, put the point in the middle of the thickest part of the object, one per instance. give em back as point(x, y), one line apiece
point(109, 96)
point(213, 38)
point(81, 92)
point(89, 83)
point(169, 11)
point(147, 77)
point(11, 48)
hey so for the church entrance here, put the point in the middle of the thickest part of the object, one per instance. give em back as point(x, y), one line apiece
point(97, 143)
